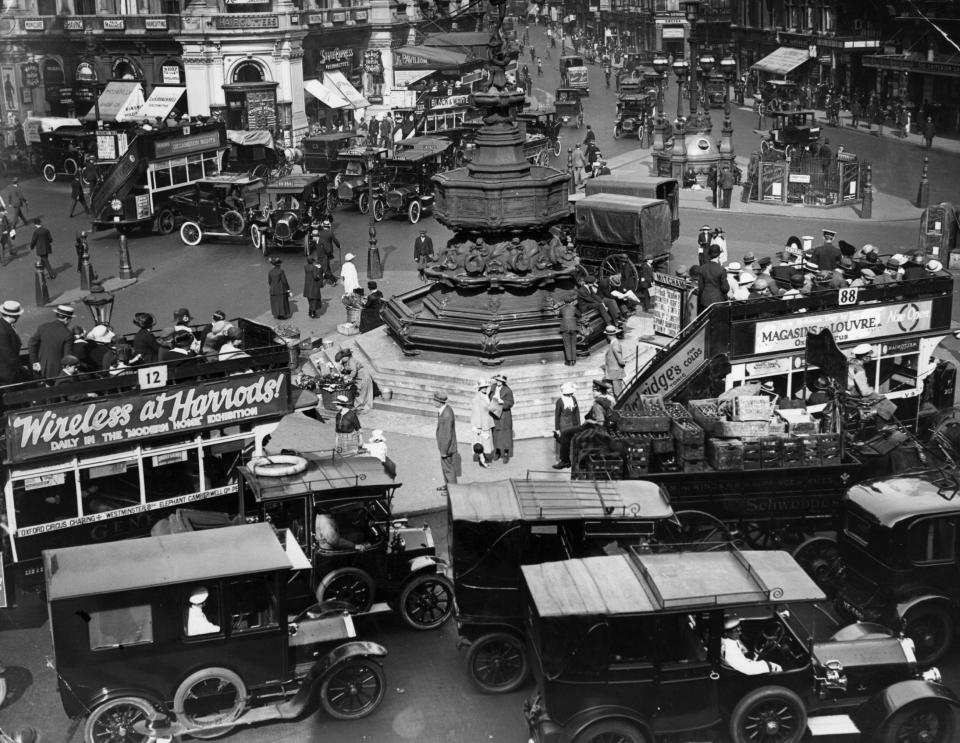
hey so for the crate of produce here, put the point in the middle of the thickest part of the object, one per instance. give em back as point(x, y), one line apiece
point(687, 432)
point(665, 462)
point(725, 455)
point(711, 415)
point(752, 408)
point(661, 443)
point(677, 412)
point(690, 452)
point(634, 422)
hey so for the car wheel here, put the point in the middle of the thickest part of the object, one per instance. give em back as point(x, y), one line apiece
point(498, 663)
point(70, 166)
point(925, 721)
point(611, 731)
point(701, 532)
point(166, 222)
point(260, 171)
point(616, 132)
point(764, 146)
point(557, 147)
point(353, 689)
point(931, 629)
point(233, 223)
point(306, 245)
point(363, 202)
point(352, 585)
point(378, 210)
point(49, 172)
point(3, 690)
point(426, 601)
point(414, 211)
point(113, 721)
point(820, 559)
point(210, 698)
point(771, 714)
point(190, 233)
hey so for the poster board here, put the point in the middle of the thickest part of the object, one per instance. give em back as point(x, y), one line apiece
point(669, 294)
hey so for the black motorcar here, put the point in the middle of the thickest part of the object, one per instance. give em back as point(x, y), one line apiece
point(397, 570)
point(569, 107)
point(495, 527)
point(199, 631)
point(63, 151)
point(633, 113)
point(321, 154)
point(628, 648)
point(405, 182)
point(790, 132)
point(222, 206)
point(288, 206)
point(896, 559)
point(354, 186)
point(252, 152)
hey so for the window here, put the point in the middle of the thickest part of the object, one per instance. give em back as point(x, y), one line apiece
point(45, 498)
point(107, 487)
point(254, 605)
point(857, 528)
point(194, 167)
point(201, 612)
point(160, 175)
point(220, 461)
point(46, 7)
point(170, 473)
point(115, 628)
point(85, 7)
point(178, 173)
point(932, 540)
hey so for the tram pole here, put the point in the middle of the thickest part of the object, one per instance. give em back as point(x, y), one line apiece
point(40, 284)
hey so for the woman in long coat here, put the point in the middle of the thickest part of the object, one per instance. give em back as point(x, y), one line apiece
point(279, 291)
point(566, 413)
point(503, 423)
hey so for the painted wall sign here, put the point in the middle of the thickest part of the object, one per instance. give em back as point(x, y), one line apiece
point(685, 362)
point(38, 433)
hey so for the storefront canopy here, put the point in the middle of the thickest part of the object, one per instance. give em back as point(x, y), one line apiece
point(326, 92)
point(782, 61)
point(161, 102)
point(427, 57)
point(119, 101)
point(346, 89)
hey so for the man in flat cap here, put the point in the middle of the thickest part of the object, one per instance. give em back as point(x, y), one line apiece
point(51, 342)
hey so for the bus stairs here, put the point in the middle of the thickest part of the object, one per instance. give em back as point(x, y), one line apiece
point(121, 178)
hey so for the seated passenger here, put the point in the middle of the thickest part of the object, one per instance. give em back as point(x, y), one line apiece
point(329, 539)
point(197, 622)
point(736, 656)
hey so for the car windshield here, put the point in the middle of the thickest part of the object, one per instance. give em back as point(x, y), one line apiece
point(353, 168)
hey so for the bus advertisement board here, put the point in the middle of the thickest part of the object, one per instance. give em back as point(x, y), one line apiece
point(36, 433)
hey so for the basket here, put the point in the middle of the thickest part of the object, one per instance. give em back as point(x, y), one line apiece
point(752, 408)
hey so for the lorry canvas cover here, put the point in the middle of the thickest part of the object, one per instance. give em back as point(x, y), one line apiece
point(625, 221)
point(246, 138)
point(646, 583)
point(92, 569)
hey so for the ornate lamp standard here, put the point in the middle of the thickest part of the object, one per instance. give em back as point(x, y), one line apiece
point(728, 66)
point(691, 10)
point(661, 66)
point(706, 63)
point(681, 68)
point(374, 267)
point(100, 303)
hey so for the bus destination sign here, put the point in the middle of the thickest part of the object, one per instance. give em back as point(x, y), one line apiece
point(37, 433)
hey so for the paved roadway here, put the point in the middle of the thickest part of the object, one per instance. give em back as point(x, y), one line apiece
point(429, 697)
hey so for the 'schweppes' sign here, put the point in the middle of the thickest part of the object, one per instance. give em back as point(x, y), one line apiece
point(855, 324)
point(41, 432)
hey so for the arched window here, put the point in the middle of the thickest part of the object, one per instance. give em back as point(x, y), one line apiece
point(248, 72)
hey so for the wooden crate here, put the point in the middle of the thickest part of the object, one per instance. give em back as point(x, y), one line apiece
point(752, 408)
point(687, 432)
point(677, 412)
point(634, 423)
point(725, 455)
point(706, 415)
point(661, 443)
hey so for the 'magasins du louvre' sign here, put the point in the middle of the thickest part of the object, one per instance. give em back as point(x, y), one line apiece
point(114, 421)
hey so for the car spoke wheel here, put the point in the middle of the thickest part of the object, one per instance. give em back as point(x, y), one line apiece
point(701, 532)
point(770, 714)
point(49, 172)
point(353, 690)
point(378, 210)
point(166, 222)
point(332, 202)
point(820, 559)
point(426, 602)
point(210, 698)
point(347, 584)
point(113, 722)
point(190, 233)
point(498, 663)
point(772, 535)
point(557, 147)
point(922, 722)
point(70, 166)
point(233, 222)
point(931, 629)
point(620, 263)
point(363, 202)
point(413, 212)
point(257, 239)
point(611, 731)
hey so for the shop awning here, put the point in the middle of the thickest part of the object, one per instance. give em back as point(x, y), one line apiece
point(119, 101)
point(161, 102)
point(427, 57)
point(326, 92)
point(346, 88)
point(786, 59)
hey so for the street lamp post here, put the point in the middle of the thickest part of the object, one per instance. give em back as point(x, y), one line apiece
point(681, 68)
point(728, 66)
point(691, 10)
point(661, 66)
point(100, 303)
point(706, 63)
point(374, 267)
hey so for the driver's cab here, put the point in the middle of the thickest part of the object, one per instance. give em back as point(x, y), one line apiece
point(768, 635)
point(353, 168)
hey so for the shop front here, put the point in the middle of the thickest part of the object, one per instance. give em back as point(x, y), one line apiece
point(928, 83)
point(333, 81)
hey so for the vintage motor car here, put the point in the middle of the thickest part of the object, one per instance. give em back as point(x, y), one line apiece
point(397, 569)
point(569, 107)
point(288, 206)
point(222, 206)
point(790, 132)
point(715, 89)
point(633, 111)
point(321, 154)
point(199, 632)
point(628, 648)
point(251, 152)
point(404, 183)
point(58, 146)
point(574, 73)
point(354, 186)
point(895, 560)
point(496, 527)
